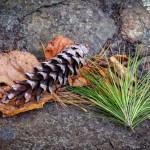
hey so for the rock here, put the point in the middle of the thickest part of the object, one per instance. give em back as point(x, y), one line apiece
point(71, 129)
point(24, 24)
point(145, 64)
point(40, 21)
point(136, 27)
point(12, 14)
point(136, 23)
point(146, 3)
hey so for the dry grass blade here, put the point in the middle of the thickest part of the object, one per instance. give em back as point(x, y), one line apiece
point(73, 99)
point(57, 98)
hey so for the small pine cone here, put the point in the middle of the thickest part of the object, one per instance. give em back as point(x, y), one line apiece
point(51, 75)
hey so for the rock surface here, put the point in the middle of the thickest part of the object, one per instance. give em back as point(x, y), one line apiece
point(136, 24)
point(26, 24)
point(136, 27)
point(56, 128)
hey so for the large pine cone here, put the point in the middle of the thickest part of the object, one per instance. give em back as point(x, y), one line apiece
point(53, 73)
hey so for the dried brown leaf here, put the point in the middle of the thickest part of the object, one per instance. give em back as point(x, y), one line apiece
point(14, 64)
point(119, 68)
point(56, 46)
point(79, 81)
point(11, 110)
point(121, 58)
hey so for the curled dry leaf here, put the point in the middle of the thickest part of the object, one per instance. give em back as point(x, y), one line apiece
point(104, 72)
point(103, 64)
point(119, 68)
point(11, 110)
point(121, 58)
point(56, 46)
point(13, 66)
point(77, 81)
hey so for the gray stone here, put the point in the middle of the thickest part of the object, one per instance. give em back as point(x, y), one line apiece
point(56, 128)
point(25, 24)
point(39, 22)
point(133, 20)
point(145, 64)
point(136, 23)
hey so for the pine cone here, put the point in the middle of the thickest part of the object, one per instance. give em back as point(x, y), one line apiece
point(53, 74)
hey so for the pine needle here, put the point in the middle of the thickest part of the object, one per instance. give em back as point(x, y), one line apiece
point(127, 101)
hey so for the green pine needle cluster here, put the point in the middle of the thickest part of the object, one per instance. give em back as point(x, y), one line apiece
point(128, 102)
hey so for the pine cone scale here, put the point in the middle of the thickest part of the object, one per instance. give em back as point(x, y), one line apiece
point(52, 74)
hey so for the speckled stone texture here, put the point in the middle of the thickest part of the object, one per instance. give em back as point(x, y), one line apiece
point(136, 27)
point(56, 128)
point(27, 23)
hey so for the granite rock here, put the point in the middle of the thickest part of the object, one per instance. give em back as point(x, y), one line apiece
point(136, 23)
point(28, 24)
point(56, 128)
